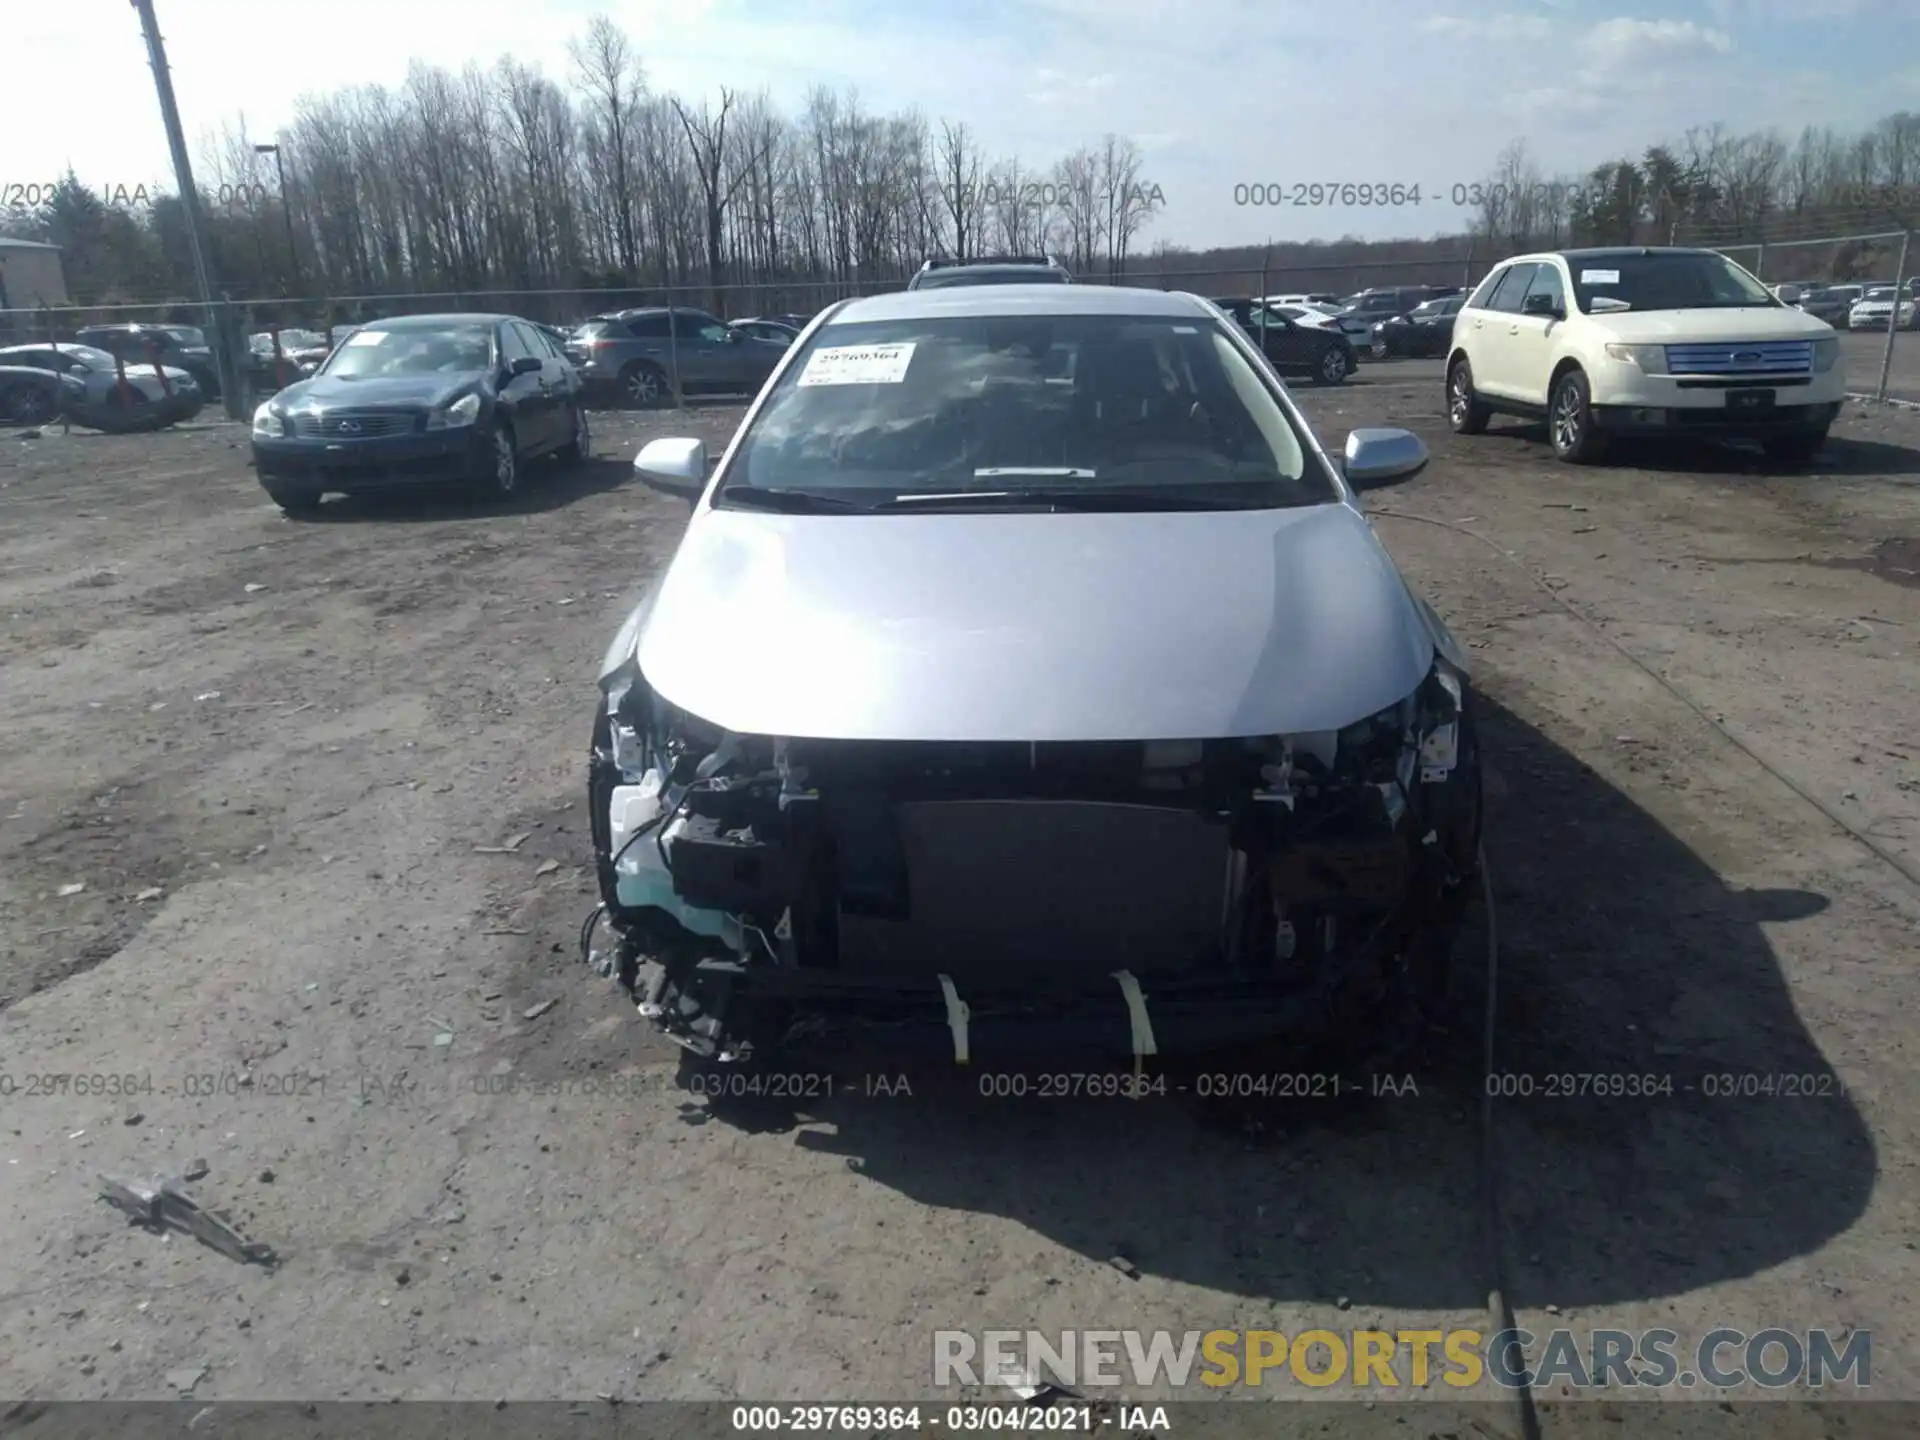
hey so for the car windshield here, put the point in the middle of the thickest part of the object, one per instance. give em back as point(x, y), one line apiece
point(86, 355)
point(1685, 280)
point(1152, 412)
point(412, 350)
point(1880, 295)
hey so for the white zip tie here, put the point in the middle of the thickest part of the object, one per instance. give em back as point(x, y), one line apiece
point(1137, 1016)
point(957, 1016)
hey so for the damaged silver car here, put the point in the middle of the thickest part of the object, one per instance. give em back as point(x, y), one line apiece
point(1028, 682)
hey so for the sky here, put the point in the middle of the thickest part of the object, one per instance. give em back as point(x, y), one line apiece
point(1221, 95)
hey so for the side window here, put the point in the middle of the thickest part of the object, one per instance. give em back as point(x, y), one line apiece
point(1483, 293)
point(648, 327)
point(1546, 281)
point(1508, 294)
point(531, 340)
point(513, 345)
point(715, 334)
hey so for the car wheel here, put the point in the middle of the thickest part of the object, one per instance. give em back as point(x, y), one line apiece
point(1465, 414)
point(643, 385)
point(28, 405)
point(501, 477)
point(1570, 428)
point(1332, 367)
point(293, 499)
point(579, 450)
point(1794, 449)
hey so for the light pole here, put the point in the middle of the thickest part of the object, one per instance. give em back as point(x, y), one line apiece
point(286, 208)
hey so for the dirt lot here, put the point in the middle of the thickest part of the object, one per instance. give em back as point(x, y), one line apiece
point(269, 749)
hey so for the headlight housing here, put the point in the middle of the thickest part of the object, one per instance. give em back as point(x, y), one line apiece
point(268, 422)
point(1650, 358)
point(463, 411)
point(1825, 354)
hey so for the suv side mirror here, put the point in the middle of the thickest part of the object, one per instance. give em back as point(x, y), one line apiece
point(676, 467)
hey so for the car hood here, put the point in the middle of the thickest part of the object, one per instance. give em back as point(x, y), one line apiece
point(326, 391)
point(1037, 627)
point(1708, 326)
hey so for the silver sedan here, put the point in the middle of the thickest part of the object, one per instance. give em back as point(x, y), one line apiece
point(1028, 679)
point(153, 396)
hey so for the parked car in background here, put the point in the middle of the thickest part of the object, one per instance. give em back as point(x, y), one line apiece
point(153, 396)
point(1424, 330)
point(994, 270)
point(1875, 310)
point(30, 395)
point(1331, 301)
point(1361, 313)
point(300, 354)
point(1010, 625)
point(1645, 341)
point(632, 355)
point(423, 399)
point(797, 322)
point(1826, 303)
point(1320, 352)
point(1846, 297)
point(774, 330)
point(183, 347)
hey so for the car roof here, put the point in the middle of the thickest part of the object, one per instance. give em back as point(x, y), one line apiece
point(424, 322)
point(937, 302)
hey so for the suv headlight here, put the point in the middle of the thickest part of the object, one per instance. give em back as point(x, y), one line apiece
point(1825, 353)
point(268, 423)
point(463, 411)
point(1650, 358)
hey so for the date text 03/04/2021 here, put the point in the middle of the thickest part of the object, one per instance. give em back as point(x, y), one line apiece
point(865, 1420)
point(1393, 195)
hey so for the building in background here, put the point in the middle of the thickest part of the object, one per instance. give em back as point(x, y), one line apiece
point(31, 275)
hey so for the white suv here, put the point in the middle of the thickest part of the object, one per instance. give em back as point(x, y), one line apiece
point(1646, 341)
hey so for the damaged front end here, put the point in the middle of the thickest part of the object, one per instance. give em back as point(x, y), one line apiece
point(1117, 899)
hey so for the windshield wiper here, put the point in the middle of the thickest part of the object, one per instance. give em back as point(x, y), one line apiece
point(787, 502)
point(1063, 497)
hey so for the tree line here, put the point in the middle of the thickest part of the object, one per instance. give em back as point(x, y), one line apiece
point(505, 179)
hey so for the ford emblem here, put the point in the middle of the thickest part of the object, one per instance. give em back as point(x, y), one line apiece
point(1748, 357)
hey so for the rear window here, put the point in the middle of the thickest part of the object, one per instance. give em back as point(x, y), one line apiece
point(1025, 275)
point(991, 402)
point(601, 329)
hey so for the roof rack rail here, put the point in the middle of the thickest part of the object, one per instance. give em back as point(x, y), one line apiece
point(945, 262)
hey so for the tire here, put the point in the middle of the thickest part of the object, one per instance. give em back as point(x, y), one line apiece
point(293, 499)
point(1331, 367)
point(1794, 449)
point(578, 450)
point(644, 385)
point(499, 477)
point(1576, 440)
point(1465, 414)
point(28, 405)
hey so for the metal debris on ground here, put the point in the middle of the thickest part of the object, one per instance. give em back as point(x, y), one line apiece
point(74, 889)
point(1125, 1266)
point(547, 867)
point(534, 1012)
point(162, 1205)
point(1045, 1394)
point(185, 1378)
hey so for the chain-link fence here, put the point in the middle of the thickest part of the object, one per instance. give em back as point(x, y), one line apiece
point(252, 348)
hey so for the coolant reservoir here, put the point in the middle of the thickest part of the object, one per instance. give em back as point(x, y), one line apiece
point(641, 877)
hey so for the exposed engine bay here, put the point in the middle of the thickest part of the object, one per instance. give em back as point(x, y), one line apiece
point(769, 895)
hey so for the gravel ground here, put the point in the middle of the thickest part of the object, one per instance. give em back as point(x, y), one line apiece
point(268, 750)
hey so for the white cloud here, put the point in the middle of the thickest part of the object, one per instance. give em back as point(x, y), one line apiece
point(1622, 41)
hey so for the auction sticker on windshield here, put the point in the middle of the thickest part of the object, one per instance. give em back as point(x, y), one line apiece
point(858, 364)
point(368, 337)
point(1599, 277)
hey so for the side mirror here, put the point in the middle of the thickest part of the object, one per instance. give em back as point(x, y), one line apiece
point(1541, 305)
point(673, 467)
point(1377, 455)
point(524, 365)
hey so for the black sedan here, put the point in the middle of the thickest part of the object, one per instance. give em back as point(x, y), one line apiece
point(422, 400)
point(1425, 330)
point(1323, 353)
